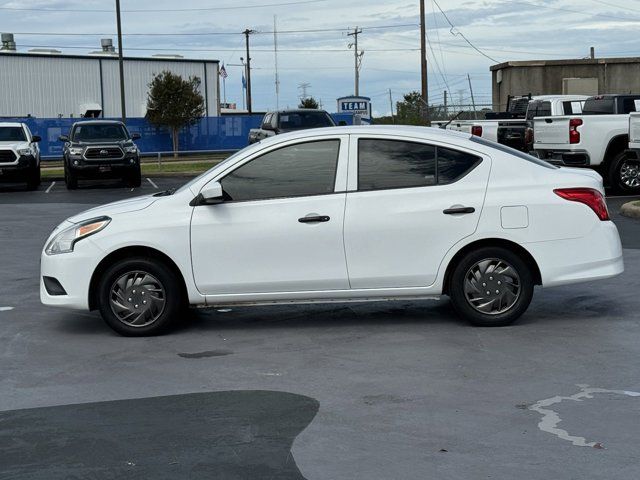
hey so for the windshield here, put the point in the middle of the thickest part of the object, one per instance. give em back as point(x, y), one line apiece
point(99, 132)
point(12, 134)
point(512, 151)
point(302, 120)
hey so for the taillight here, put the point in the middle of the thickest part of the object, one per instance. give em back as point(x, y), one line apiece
point(476, 130)
point(574, 134)
point(590, 197)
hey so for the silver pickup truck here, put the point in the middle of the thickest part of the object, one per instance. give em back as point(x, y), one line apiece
point(283, 121)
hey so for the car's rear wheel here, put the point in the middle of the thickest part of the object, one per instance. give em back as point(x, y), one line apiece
point(624, 173)
point(491, 287)
point(70, 179)
point(140, 297)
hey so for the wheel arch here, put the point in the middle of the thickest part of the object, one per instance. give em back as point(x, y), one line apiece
point(492, 242)
point(616, 145)
point(128, 252)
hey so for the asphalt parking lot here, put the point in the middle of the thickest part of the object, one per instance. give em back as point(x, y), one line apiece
point(368, 391)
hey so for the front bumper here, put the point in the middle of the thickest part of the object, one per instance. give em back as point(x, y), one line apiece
point(17, 169)
point(73, 271)
point(103, 168)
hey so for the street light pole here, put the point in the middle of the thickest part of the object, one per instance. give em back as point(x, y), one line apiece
point(248, 32)
point(423, 64)
point(123, 107)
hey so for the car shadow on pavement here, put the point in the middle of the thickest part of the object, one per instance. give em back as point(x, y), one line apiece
point(245, 434)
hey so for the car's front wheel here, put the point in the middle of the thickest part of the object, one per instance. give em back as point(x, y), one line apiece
point(491, 287)
point(140, 297)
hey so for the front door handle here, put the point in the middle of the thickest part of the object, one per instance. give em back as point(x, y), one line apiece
point(458, 210)
point(314, 219)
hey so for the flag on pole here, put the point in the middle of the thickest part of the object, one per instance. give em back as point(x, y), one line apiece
point(223, 71)
point(244, 82)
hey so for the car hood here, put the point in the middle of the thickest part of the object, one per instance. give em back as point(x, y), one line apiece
point(14, 145)
point(115, 208)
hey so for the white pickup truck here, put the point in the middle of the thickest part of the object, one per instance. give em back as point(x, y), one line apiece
point(19, 154)
point(633, 161)
point(513, 131)
point(598, 138)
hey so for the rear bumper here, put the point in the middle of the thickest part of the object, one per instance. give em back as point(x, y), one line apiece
point(569, 158)
point(593, 257)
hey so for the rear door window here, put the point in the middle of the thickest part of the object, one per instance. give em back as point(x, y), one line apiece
point(388, 164)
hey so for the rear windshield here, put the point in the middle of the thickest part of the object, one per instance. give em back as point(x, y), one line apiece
point(300, 120)
point(512, 151)
point(12, 134)
point(599, 106)
point(99, 132)
point(538, 108)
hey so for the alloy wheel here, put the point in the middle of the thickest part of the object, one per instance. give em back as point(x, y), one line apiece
point(137, 298)
point(630, 173)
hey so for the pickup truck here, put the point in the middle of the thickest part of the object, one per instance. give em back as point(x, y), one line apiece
point(633, 160)
point(598, 138)
point(283, 121)
point(100, 149)
point(519, 134)
point(19, 155)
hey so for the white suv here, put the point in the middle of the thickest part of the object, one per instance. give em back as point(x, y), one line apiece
point(19, 154)
point(340, 214)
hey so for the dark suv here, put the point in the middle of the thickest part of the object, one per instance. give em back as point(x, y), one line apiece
point(100, 149)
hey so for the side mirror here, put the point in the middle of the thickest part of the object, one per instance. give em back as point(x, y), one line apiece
point(342, 123)
point(36, 138)
point(211, 194)
point(135, 136)
point(63, 138)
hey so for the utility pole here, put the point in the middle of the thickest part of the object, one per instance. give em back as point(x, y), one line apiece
point(123, 106)
point(592, 52)
point(423, 64)
point(473, 102)
point(248, 32)
point(357, 57)
point(303, 88)
point(275, 53)
point(391, 106)
point(446, 110)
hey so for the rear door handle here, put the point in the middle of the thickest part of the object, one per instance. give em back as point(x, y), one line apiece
point(457, 210)
point(314, 219)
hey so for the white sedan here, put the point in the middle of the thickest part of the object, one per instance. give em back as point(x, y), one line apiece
point(340, 214)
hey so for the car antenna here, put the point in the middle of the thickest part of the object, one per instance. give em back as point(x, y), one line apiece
point(445, 125)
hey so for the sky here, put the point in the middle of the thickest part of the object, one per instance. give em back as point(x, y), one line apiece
point(313, 45)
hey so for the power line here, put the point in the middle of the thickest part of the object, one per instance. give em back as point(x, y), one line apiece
point(162, 10)
point(455, 31)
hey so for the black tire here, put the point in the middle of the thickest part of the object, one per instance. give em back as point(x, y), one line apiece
point(511, 312)
point(70, 178)
point(33, 178)
point(133, 178)
point(153, 322)
point(631, 166)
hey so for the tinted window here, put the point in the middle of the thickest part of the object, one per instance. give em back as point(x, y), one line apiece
point(598, 106)
point(12, 134)
point(99, 132)
point(395, 164)
point(544, 110)
point(532, 109)
point(453, 164)
point(300, 120)
point(293, 171)
point(628, 105)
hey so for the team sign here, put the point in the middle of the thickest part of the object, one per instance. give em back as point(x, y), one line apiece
point(355, 107)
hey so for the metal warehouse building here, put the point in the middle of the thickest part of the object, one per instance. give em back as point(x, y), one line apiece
point(48, 84)
point(588, 76)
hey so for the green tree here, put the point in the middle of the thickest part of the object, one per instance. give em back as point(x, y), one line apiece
point(308, 102)
point(174, 103)
point(410, 109)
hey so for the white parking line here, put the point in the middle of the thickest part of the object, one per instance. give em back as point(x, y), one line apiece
point(151, 182)
point(50, 187)
point(5, 309)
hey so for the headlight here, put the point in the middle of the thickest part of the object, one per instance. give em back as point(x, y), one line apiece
point(132, 149)
point(66, 239)
point(75, 150)
point(24, 151)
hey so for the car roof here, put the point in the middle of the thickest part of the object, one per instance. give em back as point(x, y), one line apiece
point(99, 122)
point(11, 124)
point(297, 110)
point(560, 97)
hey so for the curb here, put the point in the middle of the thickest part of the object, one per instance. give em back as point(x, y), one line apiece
point(631, 209)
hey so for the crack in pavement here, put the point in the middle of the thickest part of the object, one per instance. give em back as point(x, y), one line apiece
point(551, 419)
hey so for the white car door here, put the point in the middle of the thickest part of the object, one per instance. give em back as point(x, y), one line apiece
point(409, 202)
point(280, 228)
